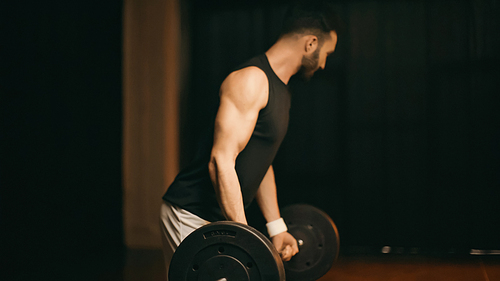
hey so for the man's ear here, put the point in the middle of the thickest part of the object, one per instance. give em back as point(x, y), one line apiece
point(311, 43)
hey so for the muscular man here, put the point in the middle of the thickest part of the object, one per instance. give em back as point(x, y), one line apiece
point(233, 165)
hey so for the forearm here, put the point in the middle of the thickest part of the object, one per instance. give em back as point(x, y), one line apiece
point(267, 198)
point(227, 189)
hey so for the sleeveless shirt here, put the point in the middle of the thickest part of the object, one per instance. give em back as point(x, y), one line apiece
point(192, 189)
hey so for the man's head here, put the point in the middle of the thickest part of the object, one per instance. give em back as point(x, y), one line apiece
point(316, 27)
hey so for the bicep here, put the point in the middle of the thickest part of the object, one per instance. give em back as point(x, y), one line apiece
point(233, 128)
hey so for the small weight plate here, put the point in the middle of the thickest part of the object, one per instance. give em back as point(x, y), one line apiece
point(226, 250)
point(320, 239)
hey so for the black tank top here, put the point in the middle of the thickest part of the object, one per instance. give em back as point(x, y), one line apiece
point(192, 189)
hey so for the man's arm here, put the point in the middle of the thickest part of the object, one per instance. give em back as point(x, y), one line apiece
point(267, 199)
point(243, 94)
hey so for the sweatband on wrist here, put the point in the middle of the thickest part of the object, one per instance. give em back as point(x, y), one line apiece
point(276, 227)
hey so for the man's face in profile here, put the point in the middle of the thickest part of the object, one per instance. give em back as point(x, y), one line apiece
point(316, 60)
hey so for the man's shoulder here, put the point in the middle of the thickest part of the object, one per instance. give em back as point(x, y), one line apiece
point(248, 85)
point(248, 75)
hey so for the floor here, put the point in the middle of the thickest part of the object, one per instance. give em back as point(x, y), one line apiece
point(148, 265)
point(414, 269)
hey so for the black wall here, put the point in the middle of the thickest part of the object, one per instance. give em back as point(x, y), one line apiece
point(60, 173)
point(398, 138)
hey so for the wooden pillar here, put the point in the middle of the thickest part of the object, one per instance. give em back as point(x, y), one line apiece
point(151, 67)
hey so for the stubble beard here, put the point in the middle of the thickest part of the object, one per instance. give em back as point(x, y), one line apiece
point(309, 65)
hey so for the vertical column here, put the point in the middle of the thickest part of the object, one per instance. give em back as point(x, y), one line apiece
point(151, 89)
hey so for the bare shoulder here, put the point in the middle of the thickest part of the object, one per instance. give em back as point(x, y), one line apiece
point(248, 75)
point(248, 85)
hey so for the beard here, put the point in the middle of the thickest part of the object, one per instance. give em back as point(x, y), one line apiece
point(309, 65)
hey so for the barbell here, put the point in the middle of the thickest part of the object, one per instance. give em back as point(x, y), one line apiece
point(229, 251)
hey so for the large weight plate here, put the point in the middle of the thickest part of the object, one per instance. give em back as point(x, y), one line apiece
point(320, 242)
point(227, 250)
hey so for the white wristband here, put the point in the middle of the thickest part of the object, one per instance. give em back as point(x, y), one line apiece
point(276, 227)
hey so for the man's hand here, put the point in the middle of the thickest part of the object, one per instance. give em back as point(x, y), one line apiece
point(286, 245)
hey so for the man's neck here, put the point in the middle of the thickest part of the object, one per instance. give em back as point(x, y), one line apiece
point(284, 58)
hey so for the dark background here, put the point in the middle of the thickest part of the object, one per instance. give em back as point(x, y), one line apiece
point(61, 131)
point(397, 139)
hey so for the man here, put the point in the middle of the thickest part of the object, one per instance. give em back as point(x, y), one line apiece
point(233, 165)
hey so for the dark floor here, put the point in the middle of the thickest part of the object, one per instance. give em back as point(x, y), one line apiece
point(147, 265)
point(411, 268)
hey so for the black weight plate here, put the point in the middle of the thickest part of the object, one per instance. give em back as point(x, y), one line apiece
point(320, 242)
point(226, 250)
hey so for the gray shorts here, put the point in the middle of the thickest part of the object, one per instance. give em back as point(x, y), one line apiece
point(176, 224)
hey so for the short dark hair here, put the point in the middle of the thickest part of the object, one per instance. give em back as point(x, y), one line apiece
point(313, 17)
